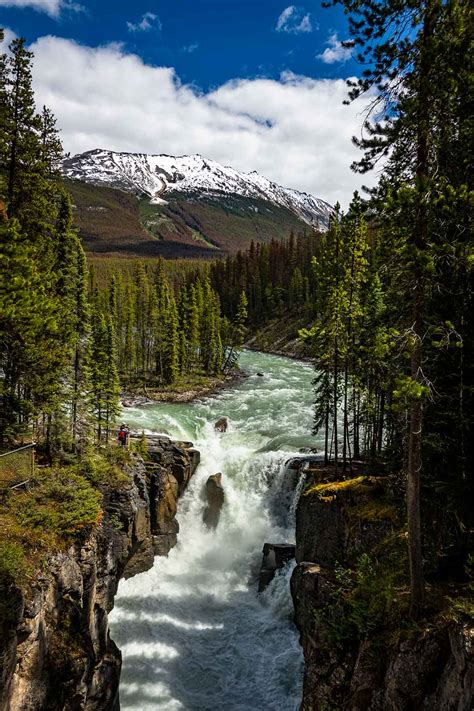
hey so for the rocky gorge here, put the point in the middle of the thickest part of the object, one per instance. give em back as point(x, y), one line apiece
point(355, 657)
point(57, 653)
point(174, 615)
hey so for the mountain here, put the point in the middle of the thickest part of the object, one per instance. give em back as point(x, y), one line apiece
point(181, 206)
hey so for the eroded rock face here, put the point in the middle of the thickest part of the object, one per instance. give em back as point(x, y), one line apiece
point(221, 424)
point(275, 557)
point(214, 494)
point(432, 669)
point(57, 654)
point(328, 529)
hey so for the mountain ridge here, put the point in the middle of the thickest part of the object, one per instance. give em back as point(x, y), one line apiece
point(159, 176)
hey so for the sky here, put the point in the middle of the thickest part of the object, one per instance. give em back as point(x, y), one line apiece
point(255, 84)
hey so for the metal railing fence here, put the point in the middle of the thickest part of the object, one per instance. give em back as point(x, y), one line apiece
point(17, 467)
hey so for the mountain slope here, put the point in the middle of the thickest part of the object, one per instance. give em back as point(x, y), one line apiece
point(158, 176)
point(141, 205)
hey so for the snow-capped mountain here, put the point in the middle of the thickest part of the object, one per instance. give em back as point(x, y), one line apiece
point(160, 175)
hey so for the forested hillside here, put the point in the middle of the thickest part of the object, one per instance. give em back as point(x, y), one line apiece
point(66, 340)
point(115, 222)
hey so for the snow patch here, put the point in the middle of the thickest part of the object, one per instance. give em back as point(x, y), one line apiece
point(154, 175)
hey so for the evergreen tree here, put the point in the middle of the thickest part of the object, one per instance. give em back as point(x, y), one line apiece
point(96, 362)
point(415, 53)
point(20, 147)
point(82, 332)
point(171, 343)
point(28, 320)
point(191, 327)
point(111, 387)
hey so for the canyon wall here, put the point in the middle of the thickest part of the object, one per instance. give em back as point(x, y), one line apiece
point(429, 665)
point(57, 654)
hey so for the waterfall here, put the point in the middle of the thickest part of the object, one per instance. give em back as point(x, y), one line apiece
point(296, 497)
point(192, 630)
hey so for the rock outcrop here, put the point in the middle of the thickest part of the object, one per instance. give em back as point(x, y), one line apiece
point(214, 493)
point(221, 424)
point(57, 653)
point(275, 557)
point(431, 667)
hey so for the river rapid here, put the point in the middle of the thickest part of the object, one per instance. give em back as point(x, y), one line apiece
point(193, 632)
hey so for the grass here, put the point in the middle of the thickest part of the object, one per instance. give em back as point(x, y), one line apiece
point(374, 511)
point(184, 388)
point(64, 502)
point(104, 467)
point(359, 485)
point(61, 503)
point(370, 598)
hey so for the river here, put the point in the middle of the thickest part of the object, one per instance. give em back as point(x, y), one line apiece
point(193, 632)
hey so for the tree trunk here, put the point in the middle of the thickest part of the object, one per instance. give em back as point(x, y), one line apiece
point(381, 422)
point(336, 375)
point(346, 418)
point(75, 396)
point(419, 242)
point(356, 399)
point(326, 435)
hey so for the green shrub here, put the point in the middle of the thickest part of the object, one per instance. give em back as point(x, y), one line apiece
point(368, 598)
point(13, 562)
point(62, 503)
point(140, 446)
point(103, 467)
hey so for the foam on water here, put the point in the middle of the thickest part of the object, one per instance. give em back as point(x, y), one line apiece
point(193, 632)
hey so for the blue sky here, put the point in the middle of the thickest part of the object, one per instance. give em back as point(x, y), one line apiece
point(207, 41)
point(258, 84)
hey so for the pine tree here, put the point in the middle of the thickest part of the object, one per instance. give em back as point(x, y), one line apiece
point(51, 151)
point(237, 332)
point(111, 386)
point(192, 330)
point(96, 363)
point(128, 352)
point(211, 342)
point(171, 343)
point(28, 318)
point(408, 49)
point(82, 332)
point(103, 373)
point(21, 142)
point(142, 325)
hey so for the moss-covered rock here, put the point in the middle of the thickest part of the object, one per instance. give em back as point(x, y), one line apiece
point(337, 521)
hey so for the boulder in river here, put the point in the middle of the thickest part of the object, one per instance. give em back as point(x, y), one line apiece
point(260, 375)
point(275, 557)
point(221, 424)
point(214, 494)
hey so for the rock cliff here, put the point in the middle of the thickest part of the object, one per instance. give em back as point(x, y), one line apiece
point(367, 664)
point(57, 653)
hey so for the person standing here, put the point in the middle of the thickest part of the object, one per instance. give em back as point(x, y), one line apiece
point(123, 435)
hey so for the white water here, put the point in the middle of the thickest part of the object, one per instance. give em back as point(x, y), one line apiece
point(193, 632)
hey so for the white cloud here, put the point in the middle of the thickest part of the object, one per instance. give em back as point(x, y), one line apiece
point(294, 20)
point(8, 37)
point(335, 52)
point(53, 8)
point(294, 131)
point(190, 48)
point(148, 21)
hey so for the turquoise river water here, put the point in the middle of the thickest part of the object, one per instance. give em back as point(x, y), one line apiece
point(193, 632)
